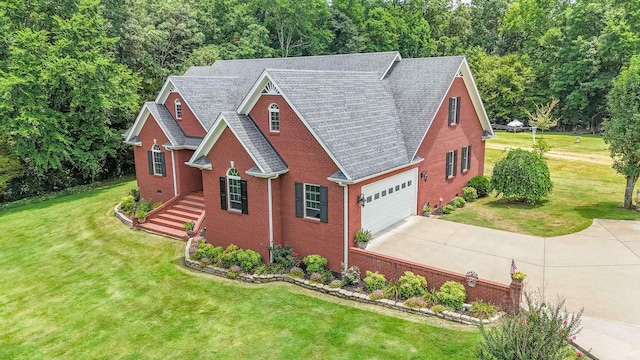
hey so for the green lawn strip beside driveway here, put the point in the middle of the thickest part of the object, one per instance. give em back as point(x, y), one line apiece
point(76, 283)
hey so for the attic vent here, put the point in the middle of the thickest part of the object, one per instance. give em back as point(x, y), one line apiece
point(172, 89)
point(270, 89)
point(459, 74)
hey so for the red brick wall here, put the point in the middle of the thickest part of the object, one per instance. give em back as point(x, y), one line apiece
point(503, 295)
point(154, 187)
point(442, 138)
point(307, 162)
point(189, 123)
point(189, 178)
point(224, 227)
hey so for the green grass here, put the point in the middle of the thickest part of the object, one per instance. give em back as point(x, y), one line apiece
point(583, 190)
point(561, 142)
point(78, 284)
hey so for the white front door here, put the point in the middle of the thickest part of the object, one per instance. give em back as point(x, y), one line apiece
point(389, 200)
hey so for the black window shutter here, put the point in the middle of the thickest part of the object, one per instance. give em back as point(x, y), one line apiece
point(163, 164)
point(324, 207)
point(469, 157)
point(243, 196)
point(223, 193)
point(448, 171)
point(299, 200)
point(452, 111)
point(150, 159)
point(455, 162)
point(458, 110)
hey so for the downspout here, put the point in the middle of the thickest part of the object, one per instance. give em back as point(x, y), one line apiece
point(346, 222)
point(270, 220)
point(173, 167)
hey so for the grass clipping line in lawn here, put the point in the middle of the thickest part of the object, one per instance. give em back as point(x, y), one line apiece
point(78, 284)
point(583, 191)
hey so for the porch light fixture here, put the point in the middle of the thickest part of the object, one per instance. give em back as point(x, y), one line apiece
point(423, 175)
point(361, 200)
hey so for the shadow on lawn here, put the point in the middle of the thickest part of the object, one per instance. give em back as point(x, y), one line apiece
point(508, 204)
point(607, 210)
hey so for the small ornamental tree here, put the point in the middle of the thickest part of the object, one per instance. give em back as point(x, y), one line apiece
point(622, 130)
point(522, 176)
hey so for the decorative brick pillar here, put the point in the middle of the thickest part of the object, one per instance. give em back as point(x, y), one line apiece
point(516, 296)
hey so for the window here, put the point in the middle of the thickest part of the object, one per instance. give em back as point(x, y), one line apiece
point(465, 162)
point(178, 109)
point(274, 118)
point(233, 192)
point(376, 196)
point(404, 185)
point(451, 164)
point(384, 192)
point(454, 111)
point(409, 183)
point(312, 201)
point(156, 161)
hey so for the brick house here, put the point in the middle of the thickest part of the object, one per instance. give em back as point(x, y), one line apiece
point(305, 151)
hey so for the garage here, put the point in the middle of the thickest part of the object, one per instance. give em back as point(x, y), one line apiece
point(389, 200)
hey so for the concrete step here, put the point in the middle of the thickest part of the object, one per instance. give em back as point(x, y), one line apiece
point(180, 213)
point(163, 230)
point(194, 197)
point(168, 223)
point(195, 204)
point(180, 218)
point(188, 209)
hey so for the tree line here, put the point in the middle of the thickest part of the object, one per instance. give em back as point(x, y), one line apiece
point(73, 74)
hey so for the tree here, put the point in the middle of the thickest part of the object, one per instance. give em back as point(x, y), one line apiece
point(542, 118)
point(622, 130)
point(522, 176)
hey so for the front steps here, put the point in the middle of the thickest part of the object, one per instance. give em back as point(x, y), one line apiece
point(170, 221)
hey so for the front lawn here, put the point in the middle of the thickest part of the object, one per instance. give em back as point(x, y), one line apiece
point(583, 189)
point(76, 283)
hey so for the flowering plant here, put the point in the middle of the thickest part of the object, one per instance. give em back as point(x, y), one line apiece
point(518, 277)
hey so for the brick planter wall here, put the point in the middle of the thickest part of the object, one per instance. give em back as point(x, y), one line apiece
point(506, 296)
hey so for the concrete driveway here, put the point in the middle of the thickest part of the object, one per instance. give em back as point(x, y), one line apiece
point(597, 268)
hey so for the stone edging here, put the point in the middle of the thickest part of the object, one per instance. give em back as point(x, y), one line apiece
point(341, 293)
point(122, 217)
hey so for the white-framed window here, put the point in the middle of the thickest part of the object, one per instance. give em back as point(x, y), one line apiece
point(312, 201)
point(454, 111)
point(451, 164)
point(465, 162)
point(234, 189)
point(158, 163)
point(178, 109)
point(274, 118)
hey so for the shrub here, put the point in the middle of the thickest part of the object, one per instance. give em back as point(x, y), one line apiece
point(127, 204)
point(285, 255)
point(482, 184)
point(141, 214)
point(248, 259)
point(229, 256)
point(350, 276)
point(264, 269)
point(392, 290)
point(415, 303)
point(483, 310)
point(206, 250)
point(430, 297)
point(458, 202)
point(135, 193)
point(234, 271)
point(363, 235)
point(412, 285)
point(452, 294)
point(522, 176)
point(327, 276)
point(376, 295)
point(335, 284)
point(145, 205)
point(469, 194)
point(316, 278)
point(438, 309)
point(544, 331)
point(374, 281)
point(315, 263)
point(448, 209)
point(541, 146)
point(296, 272)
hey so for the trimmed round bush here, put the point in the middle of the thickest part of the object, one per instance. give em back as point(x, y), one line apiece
point(452, 294)
point(448, 209)
point(315, 263)
point(469, 194)
point(374, 281)
point(458, 202)
point(411, 285)
point(248, 259)
point(522, 176)
point(482, 184)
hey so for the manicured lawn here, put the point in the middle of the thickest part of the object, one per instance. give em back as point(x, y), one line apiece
point(78, 284)
point(561, 142)
point(583, 190)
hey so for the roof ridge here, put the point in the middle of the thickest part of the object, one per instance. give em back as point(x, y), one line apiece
point(322, 71)
point(204, 77)
point(309, 56)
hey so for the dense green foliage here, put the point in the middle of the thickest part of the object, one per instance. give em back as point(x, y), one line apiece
point(482, 184)
point(374, 281)
point(59, 132)
point(452, 294)
point(522, 176)
point(315, 263)
point(544, 331)
point(469, 194)
point(411, 285)
point(622, 130)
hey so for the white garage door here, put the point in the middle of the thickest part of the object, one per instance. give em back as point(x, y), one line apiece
point(389, 200)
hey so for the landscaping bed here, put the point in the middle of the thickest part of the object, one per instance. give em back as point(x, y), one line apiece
point(348, 286)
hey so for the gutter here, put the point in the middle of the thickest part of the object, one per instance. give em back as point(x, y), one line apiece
point(350, 182)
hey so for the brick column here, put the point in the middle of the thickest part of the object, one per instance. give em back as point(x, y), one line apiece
point(516, 296)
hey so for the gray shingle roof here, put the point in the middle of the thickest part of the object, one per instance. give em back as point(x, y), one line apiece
point(208, 96)
point(352, 113)
point(248, 70)
point(171, 128)
point(256, 144)
point(418, 87)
